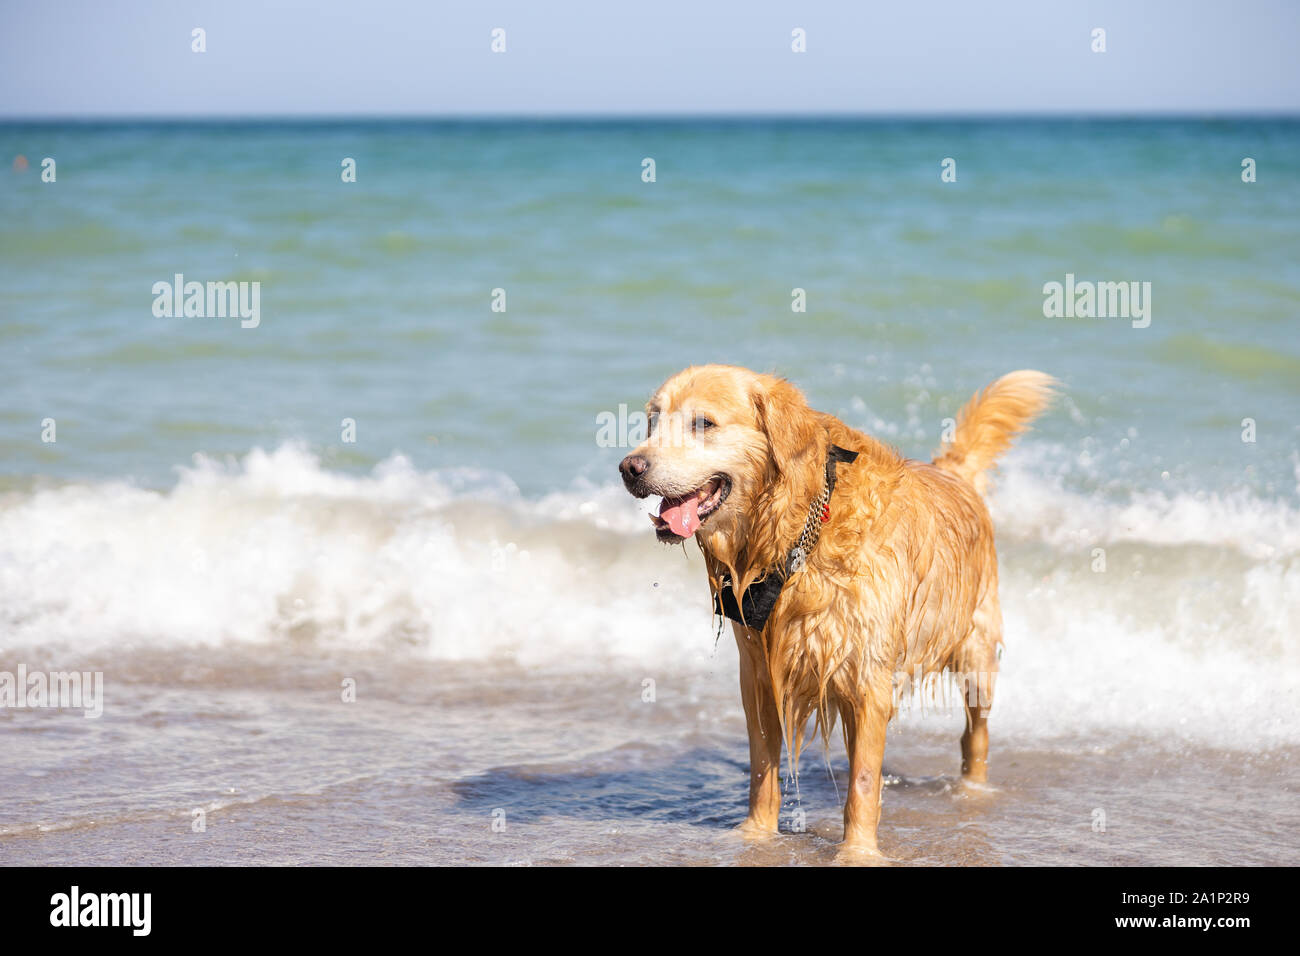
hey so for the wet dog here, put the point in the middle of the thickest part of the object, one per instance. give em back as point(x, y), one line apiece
point(842, 563)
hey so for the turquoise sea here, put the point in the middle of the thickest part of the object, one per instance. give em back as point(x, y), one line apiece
point(201, 530)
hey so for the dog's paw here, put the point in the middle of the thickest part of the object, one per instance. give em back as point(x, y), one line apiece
point(857, 854)
point(978, 789)
point(756, 830)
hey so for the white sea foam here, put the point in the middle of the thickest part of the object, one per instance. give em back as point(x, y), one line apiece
point(456, 564)
point(460, 566)
point(1025, 504)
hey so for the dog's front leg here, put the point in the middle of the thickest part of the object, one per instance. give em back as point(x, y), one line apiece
point(764, 726)
point(865, 722)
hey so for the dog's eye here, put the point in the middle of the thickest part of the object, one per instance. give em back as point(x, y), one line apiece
point(653, 421)
point(701, 423)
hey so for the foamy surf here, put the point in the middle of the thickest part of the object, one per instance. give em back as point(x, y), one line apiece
point(276, 551)
point(1031, 500)
point(277, 548)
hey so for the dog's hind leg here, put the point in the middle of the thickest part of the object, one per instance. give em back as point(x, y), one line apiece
point(764, 724)
point(977, 663)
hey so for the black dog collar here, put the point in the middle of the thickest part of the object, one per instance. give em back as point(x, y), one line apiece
point(760, 597)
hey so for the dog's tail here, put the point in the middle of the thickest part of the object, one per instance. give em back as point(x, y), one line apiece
point(991, 420)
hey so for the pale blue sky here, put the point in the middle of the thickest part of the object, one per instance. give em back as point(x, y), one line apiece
point(404, 57)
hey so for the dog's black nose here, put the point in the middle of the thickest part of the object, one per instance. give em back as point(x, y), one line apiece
point(633, 466)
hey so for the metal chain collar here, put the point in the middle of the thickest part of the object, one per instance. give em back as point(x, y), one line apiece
point(812, 530)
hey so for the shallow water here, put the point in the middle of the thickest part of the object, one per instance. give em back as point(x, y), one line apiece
point(201, 534)
point(505, 765)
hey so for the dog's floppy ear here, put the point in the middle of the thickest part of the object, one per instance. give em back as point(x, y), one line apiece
point(791, 428)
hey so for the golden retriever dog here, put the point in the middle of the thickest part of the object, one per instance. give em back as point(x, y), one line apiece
point(843, 563)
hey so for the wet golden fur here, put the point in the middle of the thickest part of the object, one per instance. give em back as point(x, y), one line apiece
point(904, 576)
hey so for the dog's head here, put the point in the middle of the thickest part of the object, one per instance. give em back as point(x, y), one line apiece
point(722, 441)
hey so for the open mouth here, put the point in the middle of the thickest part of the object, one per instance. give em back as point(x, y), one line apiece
point(679, 518)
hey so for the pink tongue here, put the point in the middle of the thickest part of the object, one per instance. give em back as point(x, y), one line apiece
point(683, 517)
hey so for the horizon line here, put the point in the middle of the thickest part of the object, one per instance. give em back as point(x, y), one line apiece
point(666, 116)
